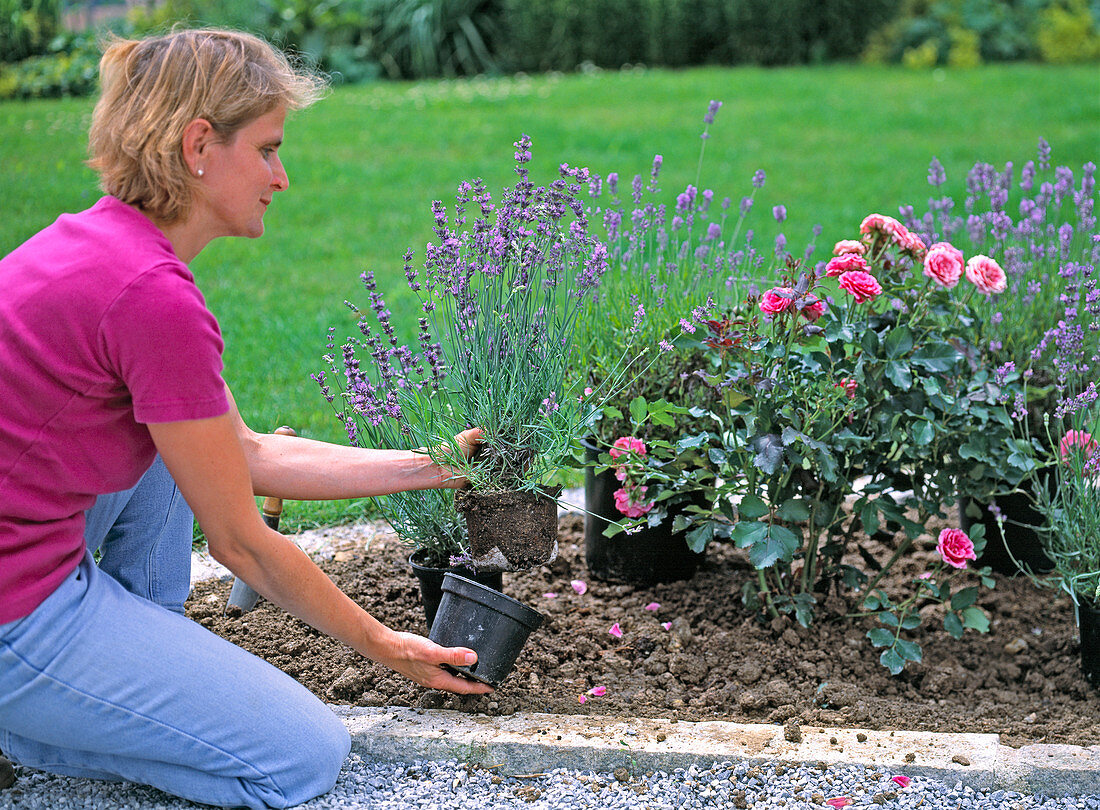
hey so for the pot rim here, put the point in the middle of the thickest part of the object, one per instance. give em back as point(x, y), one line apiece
point(492, 599)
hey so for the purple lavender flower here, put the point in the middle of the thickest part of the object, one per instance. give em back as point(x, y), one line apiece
point(714, 230)
point(936, 174)
point(758, 179)
point(613, 182)
point(712, 110)
point(779, 212)
point(654, 172)
point(1044, 154)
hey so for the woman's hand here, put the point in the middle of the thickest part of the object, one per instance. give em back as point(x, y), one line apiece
point(421, 660)
point(466, 443)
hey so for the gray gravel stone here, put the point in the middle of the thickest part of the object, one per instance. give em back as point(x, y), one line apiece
point(454, 786)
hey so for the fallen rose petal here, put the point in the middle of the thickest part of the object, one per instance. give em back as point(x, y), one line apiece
point(580, 586)
point(902, 780)
point(653, 606)
point(550, 595)
point(666, 625)
point(616, 631)
point(925, 575)
point(838, 802)
point(598, 691)
point(582, 699)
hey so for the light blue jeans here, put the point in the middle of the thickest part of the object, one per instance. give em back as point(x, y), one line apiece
point(107, 679)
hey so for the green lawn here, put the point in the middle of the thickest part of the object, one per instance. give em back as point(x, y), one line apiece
point(836, 142)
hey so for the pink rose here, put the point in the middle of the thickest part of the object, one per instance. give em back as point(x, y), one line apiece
point(986, 275)
point(862, 286)
point(630, 502)
point(849, 246)
point(772, 303)
point(944, 263)
point(627, 444)
point(849, 385)
point(878, 223)
point(955, 548)
point(845, 263)
point(1076, 438)
point(912, 244)
point(813, 311)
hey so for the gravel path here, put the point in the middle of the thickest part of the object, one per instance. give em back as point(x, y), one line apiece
point(453, 786)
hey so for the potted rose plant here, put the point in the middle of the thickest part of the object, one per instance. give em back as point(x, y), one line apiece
point(843, 406)
point(669, 268)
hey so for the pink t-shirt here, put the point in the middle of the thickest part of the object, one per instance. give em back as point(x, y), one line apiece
point(102, 330)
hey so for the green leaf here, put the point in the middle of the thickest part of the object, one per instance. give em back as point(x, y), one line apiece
point(889, 619)
point(909, 650)
point(698, 537)
point(899, 342)
point(880, 637)
point(974, 618)
point(779, 544)
point(911, 622)
point(923, 433)
point(752, 507)
point(868, 516)
point(661, 418)
point(769, 452)
point(898, 373)
point(747, 533)
point(936, 357)
point(892, 661)
point(638, 409)
point(793, 511)
point(870, 342)
point(964, 598)
point(612, 412)
point(953, 625)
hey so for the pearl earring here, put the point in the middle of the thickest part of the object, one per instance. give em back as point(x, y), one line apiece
point(199, 172)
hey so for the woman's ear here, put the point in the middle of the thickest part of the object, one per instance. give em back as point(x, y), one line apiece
point(197, 137)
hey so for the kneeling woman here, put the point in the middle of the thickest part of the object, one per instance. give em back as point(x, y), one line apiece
point(111, 396)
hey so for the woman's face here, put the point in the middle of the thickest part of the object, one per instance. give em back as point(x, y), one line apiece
point(241, 175)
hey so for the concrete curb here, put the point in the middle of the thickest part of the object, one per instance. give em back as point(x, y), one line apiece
point(536, 743)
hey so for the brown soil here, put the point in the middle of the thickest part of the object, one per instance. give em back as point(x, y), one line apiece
point(1022, 679)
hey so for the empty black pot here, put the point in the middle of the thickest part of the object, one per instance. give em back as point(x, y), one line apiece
point(491, 624)
point(431, 582)
point(1021, 541)
point(1088, 621)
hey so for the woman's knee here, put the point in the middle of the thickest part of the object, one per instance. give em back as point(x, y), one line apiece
point(312, 752)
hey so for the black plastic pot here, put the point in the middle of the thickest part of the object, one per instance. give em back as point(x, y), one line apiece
point(651, 555)
point(1020, 532)
point(491, 624)
point(431, 582)
point(1088, 622)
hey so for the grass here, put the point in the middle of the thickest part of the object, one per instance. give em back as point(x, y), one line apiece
point(836, 142)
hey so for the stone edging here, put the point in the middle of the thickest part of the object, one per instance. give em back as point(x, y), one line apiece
point(535, 743)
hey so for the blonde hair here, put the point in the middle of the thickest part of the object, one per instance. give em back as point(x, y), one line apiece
point(153, 88)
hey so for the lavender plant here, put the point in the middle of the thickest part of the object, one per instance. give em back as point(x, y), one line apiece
point(1066, 459)
point(501, 290)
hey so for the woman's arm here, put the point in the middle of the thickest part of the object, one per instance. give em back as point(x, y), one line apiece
point(308, 470)
point(209, 466)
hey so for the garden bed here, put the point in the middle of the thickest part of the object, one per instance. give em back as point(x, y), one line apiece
point(715, 661)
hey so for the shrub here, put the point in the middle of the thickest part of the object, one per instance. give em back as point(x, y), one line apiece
point(70, 69)
point(1068, 33)
point(27, 27)
point(964, 32)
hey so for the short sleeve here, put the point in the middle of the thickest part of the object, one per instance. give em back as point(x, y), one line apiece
point(164, 344)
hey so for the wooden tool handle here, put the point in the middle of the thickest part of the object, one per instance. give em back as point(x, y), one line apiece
point(273, 507)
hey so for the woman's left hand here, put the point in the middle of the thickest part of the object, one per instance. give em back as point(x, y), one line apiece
point(422, 660)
